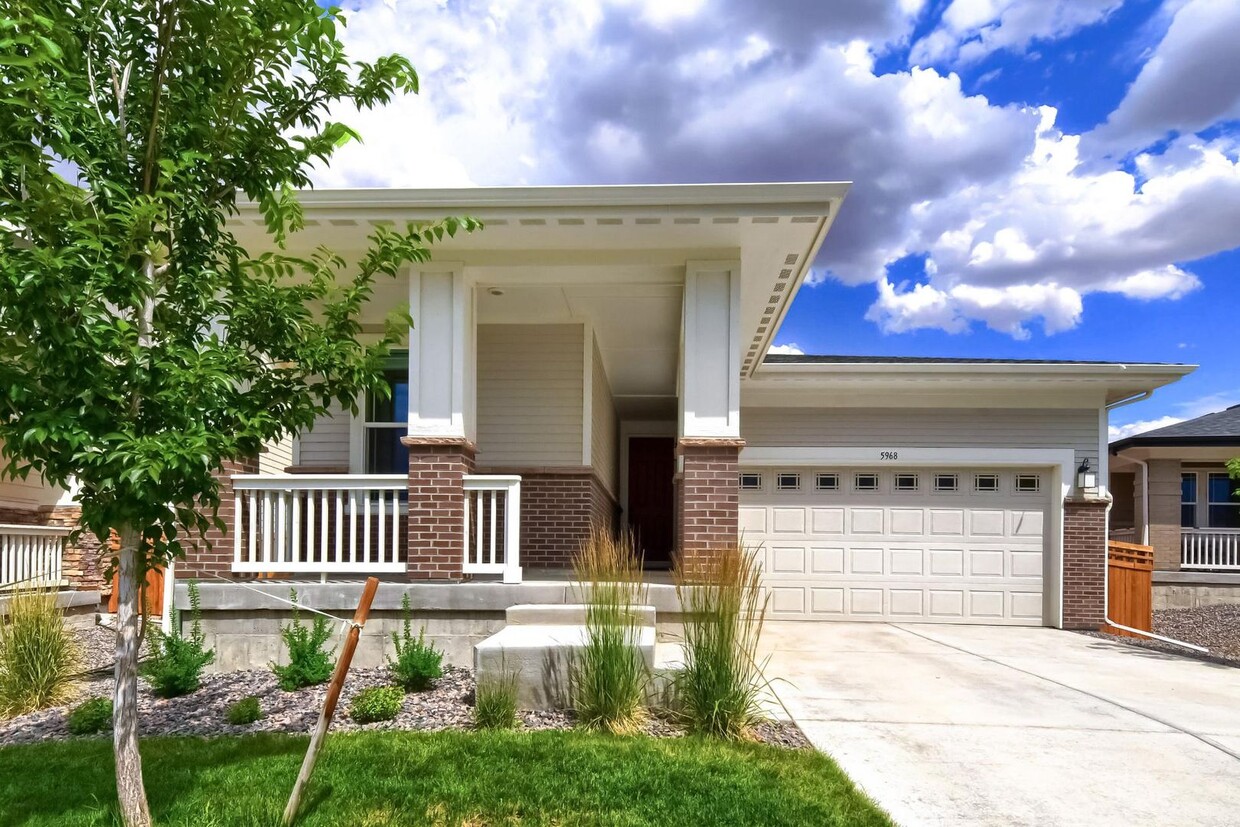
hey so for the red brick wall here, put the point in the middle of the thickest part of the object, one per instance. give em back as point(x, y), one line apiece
point(1084, 563)
point(212, 554)
point(709, 497)
point(437, 506)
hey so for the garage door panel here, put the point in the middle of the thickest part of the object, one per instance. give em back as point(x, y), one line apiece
point(941, 556)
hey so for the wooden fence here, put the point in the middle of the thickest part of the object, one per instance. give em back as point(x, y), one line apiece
point(152, 593)
point(1130, 597)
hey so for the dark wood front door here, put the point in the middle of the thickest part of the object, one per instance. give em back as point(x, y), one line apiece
point(652, 464)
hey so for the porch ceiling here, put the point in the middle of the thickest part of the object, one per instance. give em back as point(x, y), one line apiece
point(622, 237)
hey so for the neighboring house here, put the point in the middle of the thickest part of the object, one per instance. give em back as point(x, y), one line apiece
point(599, 354)
point(1172, 491)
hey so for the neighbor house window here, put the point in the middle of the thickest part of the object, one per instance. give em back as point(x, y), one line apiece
point(1224, 501)
point(387, 420)
point(751, 482)
point(788, 482)
point(946, 482)
point(865, 482)
point(985, 482)
point(906, 482)
point(1188, 500)
point(827, 482)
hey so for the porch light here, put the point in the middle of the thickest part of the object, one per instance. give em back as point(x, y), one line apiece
point(1086, 478)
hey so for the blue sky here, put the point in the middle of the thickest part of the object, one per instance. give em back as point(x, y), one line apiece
point(1032, 178)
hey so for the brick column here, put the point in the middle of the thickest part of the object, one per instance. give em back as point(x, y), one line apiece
point(1084, 563)
point(708, 498)
point(212, 554)
point(436, 526)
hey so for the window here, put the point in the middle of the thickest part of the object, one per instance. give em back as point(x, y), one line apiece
point(387, 420)
point(865, 482)
point(788, 482)
point(827, 482)
point(985, 482)
point(906, 482)
point(1188, 500)
point(1028, 483)
point(751, 482)
point(1224, 501)
point(946, 482)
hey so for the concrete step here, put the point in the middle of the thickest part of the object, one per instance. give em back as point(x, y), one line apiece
point(543, 614)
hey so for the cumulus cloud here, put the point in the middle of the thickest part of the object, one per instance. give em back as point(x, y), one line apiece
point(789, 349)
point(1117, 432)
point(1190, 81)
point(1016, 220)
point(971, 29)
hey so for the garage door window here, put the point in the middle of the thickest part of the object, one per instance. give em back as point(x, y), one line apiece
point(751, 482)
point(827, 482)
point(1028, 483)
point(946, 482)
point(788, 482)
point(865, 482)
point(985, 482)
point(906, 482)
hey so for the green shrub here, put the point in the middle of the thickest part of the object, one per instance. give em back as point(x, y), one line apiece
point(495, 703)
point(89, 717)
point(308, 662)
point(39, 657)
point(376, 703)
point(416, 664)
point(244, 711)
point(608, 677)
point(720, 690)
point(174, 666)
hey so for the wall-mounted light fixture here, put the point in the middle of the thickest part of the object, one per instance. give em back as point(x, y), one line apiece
point(1086, 479)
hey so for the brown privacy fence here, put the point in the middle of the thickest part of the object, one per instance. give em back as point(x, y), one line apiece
point(1130, 599)
point(152, 593)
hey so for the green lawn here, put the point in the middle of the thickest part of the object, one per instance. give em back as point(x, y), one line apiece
point(449, 778)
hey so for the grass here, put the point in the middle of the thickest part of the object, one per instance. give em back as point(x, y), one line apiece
point(608, 677)
point(495, 702)
point(374, 779)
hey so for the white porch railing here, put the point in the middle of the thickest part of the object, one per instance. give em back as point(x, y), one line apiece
point(31, 555)
point(493, 526)
point(1124, 535)
point(328, 523)
point(1210, 548)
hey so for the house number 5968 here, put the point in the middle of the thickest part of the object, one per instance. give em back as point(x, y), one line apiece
point(888, 454)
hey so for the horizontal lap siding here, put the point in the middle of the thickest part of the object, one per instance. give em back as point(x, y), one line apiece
point(276, 456)
point(530, 386)
point(923, 428)
point(327, 443)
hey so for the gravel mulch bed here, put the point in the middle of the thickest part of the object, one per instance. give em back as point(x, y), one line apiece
point(448, 704)
point(1215, 627)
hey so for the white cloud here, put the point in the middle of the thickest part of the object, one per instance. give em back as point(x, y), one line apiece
point(789, 349)
point(1005, 309)
point(1115, 432)
point(971, 29)
point(1190, 81)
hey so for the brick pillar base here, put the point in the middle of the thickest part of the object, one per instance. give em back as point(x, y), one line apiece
point(708, 499)
point(1084, 563)
point(437, 467)
point(212, 554)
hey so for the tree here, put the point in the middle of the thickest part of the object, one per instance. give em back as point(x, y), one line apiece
point(143, 346)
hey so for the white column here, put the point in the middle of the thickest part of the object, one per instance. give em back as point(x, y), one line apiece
point(441, 363)
point(710, 353)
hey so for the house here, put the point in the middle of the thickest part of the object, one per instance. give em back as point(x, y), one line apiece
point(600, 355)
point(1173, 492)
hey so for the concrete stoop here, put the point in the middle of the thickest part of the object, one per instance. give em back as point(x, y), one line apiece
point(539, 644)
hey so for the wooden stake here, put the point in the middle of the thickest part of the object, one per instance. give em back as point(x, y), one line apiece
point(333, 696)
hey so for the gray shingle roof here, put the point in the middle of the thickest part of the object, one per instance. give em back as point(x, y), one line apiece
point(1220, 427)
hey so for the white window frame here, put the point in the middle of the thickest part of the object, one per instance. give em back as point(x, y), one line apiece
point(955, 484)
point(1018, 478)
point(1210, 502)
point(906, 475)
point(741, 480)
point(1196, 503)
point(979, 490)
point(779, 481)
point(857, 481)
point(834, 485)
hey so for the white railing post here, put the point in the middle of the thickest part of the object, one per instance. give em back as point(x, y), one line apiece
point(483, 534)
point(1215, 549)
point(31, 555)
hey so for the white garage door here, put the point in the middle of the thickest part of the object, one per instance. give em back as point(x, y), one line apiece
point(932, 545)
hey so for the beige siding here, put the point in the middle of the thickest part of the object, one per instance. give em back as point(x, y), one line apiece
point(923, 428)
point(530, 386)
point(604, 428)
point(327, 443)
point(28, 493)
point(276, 456)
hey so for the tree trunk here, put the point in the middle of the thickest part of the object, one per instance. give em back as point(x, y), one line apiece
point(129, 789)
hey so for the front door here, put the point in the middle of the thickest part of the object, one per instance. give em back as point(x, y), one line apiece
point(652, 465)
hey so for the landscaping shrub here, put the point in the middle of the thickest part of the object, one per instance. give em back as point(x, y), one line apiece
point(416, 663)
point(719, 693)
point(308, 662)
point(608, 677)
point(244, 711)
point(39, 657)
point(174, 666)
point(89, 717)
point(495, 703)
point(376, 703)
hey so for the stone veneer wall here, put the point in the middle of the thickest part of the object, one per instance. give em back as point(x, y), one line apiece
point(1084, 563)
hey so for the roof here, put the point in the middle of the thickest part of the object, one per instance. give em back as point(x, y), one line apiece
point(1218, 428)
point(799, 359)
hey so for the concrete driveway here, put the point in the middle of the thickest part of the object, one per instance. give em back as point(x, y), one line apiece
point(1009, 726)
